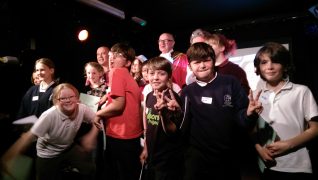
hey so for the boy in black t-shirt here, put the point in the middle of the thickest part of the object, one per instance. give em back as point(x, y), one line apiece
point(163, 149)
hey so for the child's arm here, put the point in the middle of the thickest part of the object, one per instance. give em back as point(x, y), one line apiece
point(18, 148)
point(283, 147)
point(89, 140)
point(116, 107)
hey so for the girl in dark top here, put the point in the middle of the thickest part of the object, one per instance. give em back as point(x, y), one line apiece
point(39, 97)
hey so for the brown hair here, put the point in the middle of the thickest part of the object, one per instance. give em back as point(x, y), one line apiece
point(95, 65)
point(200, 51)
point(160, 63)
point(127, 51)
point(48, 62)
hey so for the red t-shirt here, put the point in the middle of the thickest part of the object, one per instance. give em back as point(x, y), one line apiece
point(128, 125)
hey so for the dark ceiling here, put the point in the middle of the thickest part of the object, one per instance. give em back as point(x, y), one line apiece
point(49, 22)
point(35, 28)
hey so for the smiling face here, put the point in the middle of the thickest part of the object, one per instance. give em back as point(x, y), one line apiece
point(271, 72)
point(93, 75)
point(166, 43)
point(102, 56)
point(44, 73)
point(67, 101)
point(158, 79)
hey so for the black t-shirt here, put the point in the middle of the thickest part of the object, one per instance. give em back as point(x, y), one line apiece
point(162, 147)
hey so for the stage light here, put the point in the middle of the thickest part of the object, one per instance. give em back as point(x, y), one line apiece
point(83, 35)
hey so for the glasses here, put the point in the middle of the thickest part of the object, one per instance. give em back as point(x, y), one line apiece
point(115, 55)
point(65, 99)
point(165, 41)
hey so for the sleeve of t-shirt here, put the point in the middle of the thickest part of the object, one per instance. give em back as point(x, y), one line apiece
point(42, 125)
point(309, 104)
point(118, 85)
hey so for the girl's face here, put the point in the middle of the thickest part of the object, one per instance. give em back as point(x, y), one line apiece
point(272, 72)
point(67, 101)
point(93, 75)
point(158, 79)
point(136, 66)
point(44, 72)
point(203, 70)
point(144, 72)
point(36, 79)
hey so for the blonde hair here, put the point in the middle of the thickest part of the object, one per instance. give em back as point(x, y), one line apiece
point(95, 65)
point(221, 40)
point(57, 91)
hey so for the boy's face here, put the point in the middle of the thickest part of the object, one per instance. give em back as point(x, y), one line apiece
point(272, 72)
point(202, 69)
point(158, 79)
point(117, 60)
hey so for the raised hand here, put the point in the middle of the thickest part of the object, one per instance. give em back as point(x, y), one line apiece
point(172, 104)
point(254, 105)
point(161, 103)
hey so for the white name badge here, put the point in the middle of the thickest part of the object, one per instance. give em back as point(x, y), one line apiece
point(35, 98)
point(206, 100)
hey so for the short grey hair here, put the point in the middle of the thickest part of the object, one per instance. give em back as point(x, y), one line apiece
point(199, 33)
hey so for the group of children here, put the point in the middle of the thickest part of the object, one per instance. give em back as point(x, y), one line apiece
point(189, 134)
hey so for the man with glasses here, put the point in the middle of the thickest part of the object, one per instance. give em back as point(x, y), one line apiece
point(178, 60)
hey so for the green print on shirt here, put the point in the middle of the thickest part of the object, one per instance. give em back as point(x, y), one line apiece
point(153, 119)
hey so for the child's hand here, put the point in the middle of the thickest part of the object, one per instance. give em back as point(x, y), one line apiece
point(172, 104)
point(254, 105)
point(102, 100)
point(97, 122)
point(161, 103)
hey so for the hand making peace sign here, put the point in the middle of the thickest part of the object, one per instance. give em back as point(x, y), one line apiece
point(254, 105)
point(165, 101)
